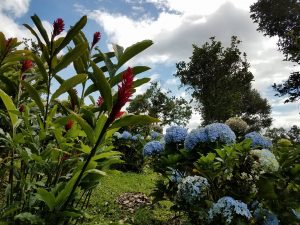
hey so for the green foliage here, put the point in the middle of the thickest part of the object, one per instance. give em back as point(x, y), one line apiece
point(155, 103)
point(55, 152)
point(220, 81)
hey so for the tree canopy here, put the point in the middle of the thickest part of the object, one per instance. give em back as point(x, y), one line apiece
point(281, 18)
point(155, 102)
point(220, 81)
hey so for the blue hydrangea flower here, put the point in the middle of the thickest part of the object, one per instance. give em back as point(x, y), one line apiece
point(266, 159)
point(266, 216)
point(126, 135)
point(258, 140)
point(192, 189)
point(220, 132)
point(136, 137)
point(227, 208)
point(153, 147)
point(195, 137)
point(176, 175)
point(175, 134)
point(154, 135)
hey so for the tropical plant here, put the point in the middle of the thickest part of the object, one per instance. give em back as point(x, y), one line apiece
point(57, 151)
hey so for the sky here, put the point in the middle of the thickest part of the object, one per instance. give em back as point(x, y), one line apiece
point(174, 26)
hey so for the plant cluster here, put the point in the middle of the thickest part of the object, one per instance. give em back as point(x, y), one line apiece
point(54, 152)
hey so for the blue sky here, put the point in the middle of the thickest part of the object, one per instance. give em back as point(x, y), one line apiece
point(173, 25)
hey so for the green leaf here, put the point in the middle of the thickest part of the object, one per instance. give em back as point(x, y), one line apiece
point(51, 115)
point(109, 65)
point(100, 124)
point(131, 120)
point(140, 82)
point(72, 55)
point(41, 66)
point(69, 84)
point(136, 70)
point(9, 105)
point(34, 95)
point(71, 33)
point(99, 57)
point(36, 20)
point(132, 51)
point(118, 50)
point(47, 197)
point(102, 86)
point(29, 218)
point(106, 155)
point(85, 126)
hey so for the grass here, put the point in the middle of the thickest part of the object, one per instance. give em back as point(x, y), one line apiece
point(105, 210)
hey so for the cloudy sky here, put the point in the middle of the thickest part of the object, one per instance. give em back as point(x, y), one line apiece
point(173, 25)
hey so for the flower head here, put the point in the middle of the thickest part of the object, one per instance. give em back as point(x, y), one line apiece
point(26, 65)
point(175, 134)
point(126, 135)
point(195, 137)
point(192, 189)
point(137, 137)
point(21, 108)
point(99, 101)
point(266, 159)
point(258, 140)
point(153, 147)
point(220, 132)
point(154, 135)
point(227, 208)
point(58, 26)
point(125, 91)
point(96, 38)
point(69, 125)
point(265, 217)
point(238, 125)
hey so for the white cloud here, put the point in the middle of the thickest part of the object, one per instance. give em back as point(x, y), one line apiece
point(16, 7)
point(183, 23)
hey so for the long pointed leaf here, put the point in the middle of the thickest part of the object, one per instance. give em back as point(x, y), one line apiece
point(9, 105)
point(68, 84)
point(34, 95)
point(47, 197)
point(40, 27)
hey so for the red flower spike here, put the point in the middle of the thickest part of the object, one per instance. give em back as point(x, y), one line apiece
point(21, 108)
point(58, 26)
point(100, 101)
point(26, 65)
point(97, 36)
point(119, 114)
point(125, 91)
point(69, 125)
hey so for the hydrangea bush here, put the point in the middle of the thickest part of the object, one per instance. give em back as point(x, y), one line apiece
point(258, 140)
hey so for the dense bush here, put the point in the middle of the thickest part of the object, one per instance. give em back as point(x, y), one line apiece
point(53, 151)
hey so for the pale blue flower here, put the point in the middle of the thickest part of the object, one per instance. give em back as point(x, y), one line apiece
point(267, 217)
point(195, 137)
point(153, 147)
point(154, 135)
point(175, 134)
point(136, 137)
point(258, 140)
point(227, 208)
point(126, 135)
point(176, 175)
point(220, 132)
point(192, 189)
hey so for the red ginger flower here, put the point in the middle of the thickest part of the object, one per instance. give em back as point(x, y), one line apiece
point(125, 91)
point(99, 101)
point(26, 65)
point(58, 26)
point(69, 125)
point(119, 114)
point(21, 108)
point(96, 38)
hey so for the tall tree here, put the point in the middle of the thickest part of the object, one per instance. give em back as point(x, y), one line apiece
point(158, 104)
point(281, 18)
point(220, 81)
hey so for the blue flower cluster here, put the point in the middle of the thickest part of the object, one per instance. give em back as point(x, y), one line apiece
point(175, 134)
point(266, 216)
point(177, 175)
point(258, 140)
point(227, 208)
point(195, 137)
point(211, 133)
point(152, 147)
point(137, 137)
point(192, 189)
point(155, 135)
point(126, 135)
point(220, 132)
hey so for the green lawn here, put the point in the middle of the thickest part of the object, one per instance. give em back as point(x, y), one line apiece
point(105, 210)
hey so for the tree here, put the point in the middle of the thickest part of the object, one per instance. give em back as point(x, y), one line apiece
point(154, 102)
point(281, 18)
point(220, 81)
